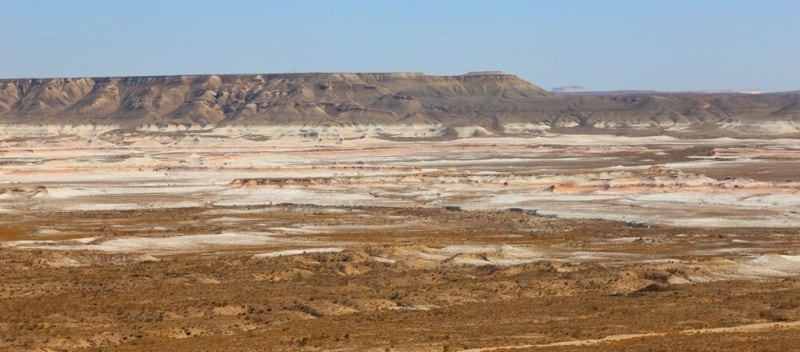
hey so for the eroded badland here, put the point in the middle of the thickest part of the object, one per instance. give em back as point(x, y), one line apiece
point(398, 212)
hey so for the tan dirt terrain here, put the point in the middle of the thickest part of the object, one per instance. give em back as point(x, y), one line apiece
point(485, 244)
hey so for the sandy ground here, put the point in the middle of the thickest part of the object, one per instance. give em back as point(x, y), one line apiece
point(351, 229)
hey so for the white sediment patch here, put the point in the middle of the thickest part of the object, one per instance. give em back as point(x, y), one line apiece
point(764, 127)
point(159, 245)
point(325, 133)
point(54, 130)
point(297, 252)
point(755, 267)
point(524, 128)
point(105, 206)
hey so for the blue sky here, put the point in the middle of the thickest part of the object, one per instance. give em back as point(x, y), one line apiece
point(602, 45)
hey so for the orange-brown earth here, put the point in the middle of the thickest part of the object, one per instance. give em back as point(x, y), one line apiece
point(409, 280)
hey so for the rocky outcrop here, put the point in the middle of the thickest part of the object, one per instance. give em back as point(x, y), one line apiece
point(490, 103)
point(263, 99)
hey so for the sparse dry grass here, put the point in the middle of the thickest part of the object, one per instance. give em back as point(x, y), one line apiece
point(350, 301)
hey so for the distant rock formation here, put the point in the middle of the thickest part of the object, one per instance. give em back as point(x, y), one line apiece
point(568, 89)
point(471, 105)
point(266, 98)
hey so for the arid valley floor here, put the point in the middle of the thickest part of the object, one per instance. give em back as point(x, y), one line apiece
point(196, 241)
point(394, 212)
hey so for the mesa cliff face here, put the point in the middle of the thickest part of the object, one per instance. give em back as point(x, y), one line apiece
point(281, 98)
point(496, 102)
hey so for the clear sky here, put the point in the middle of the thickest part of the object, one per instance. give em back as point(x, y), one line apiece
point(600, 44)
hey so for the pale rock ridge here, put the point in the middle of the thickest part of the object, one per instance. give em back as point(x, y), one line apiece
point(471, 105)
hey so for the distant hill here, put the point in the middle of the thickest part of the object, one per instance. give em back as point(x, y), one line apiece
point(568, 89)
point(500, 103)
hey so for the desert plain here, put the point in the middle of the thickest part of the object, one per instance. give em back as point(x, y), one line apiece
point(327, 236)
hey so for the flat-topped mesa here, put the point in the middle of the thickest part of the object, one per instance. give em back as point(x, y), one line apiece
point(286, 98)
point(473, 104)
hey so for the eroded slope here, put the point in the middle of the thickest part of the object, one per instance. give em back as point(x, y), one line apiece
point(496, 102)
